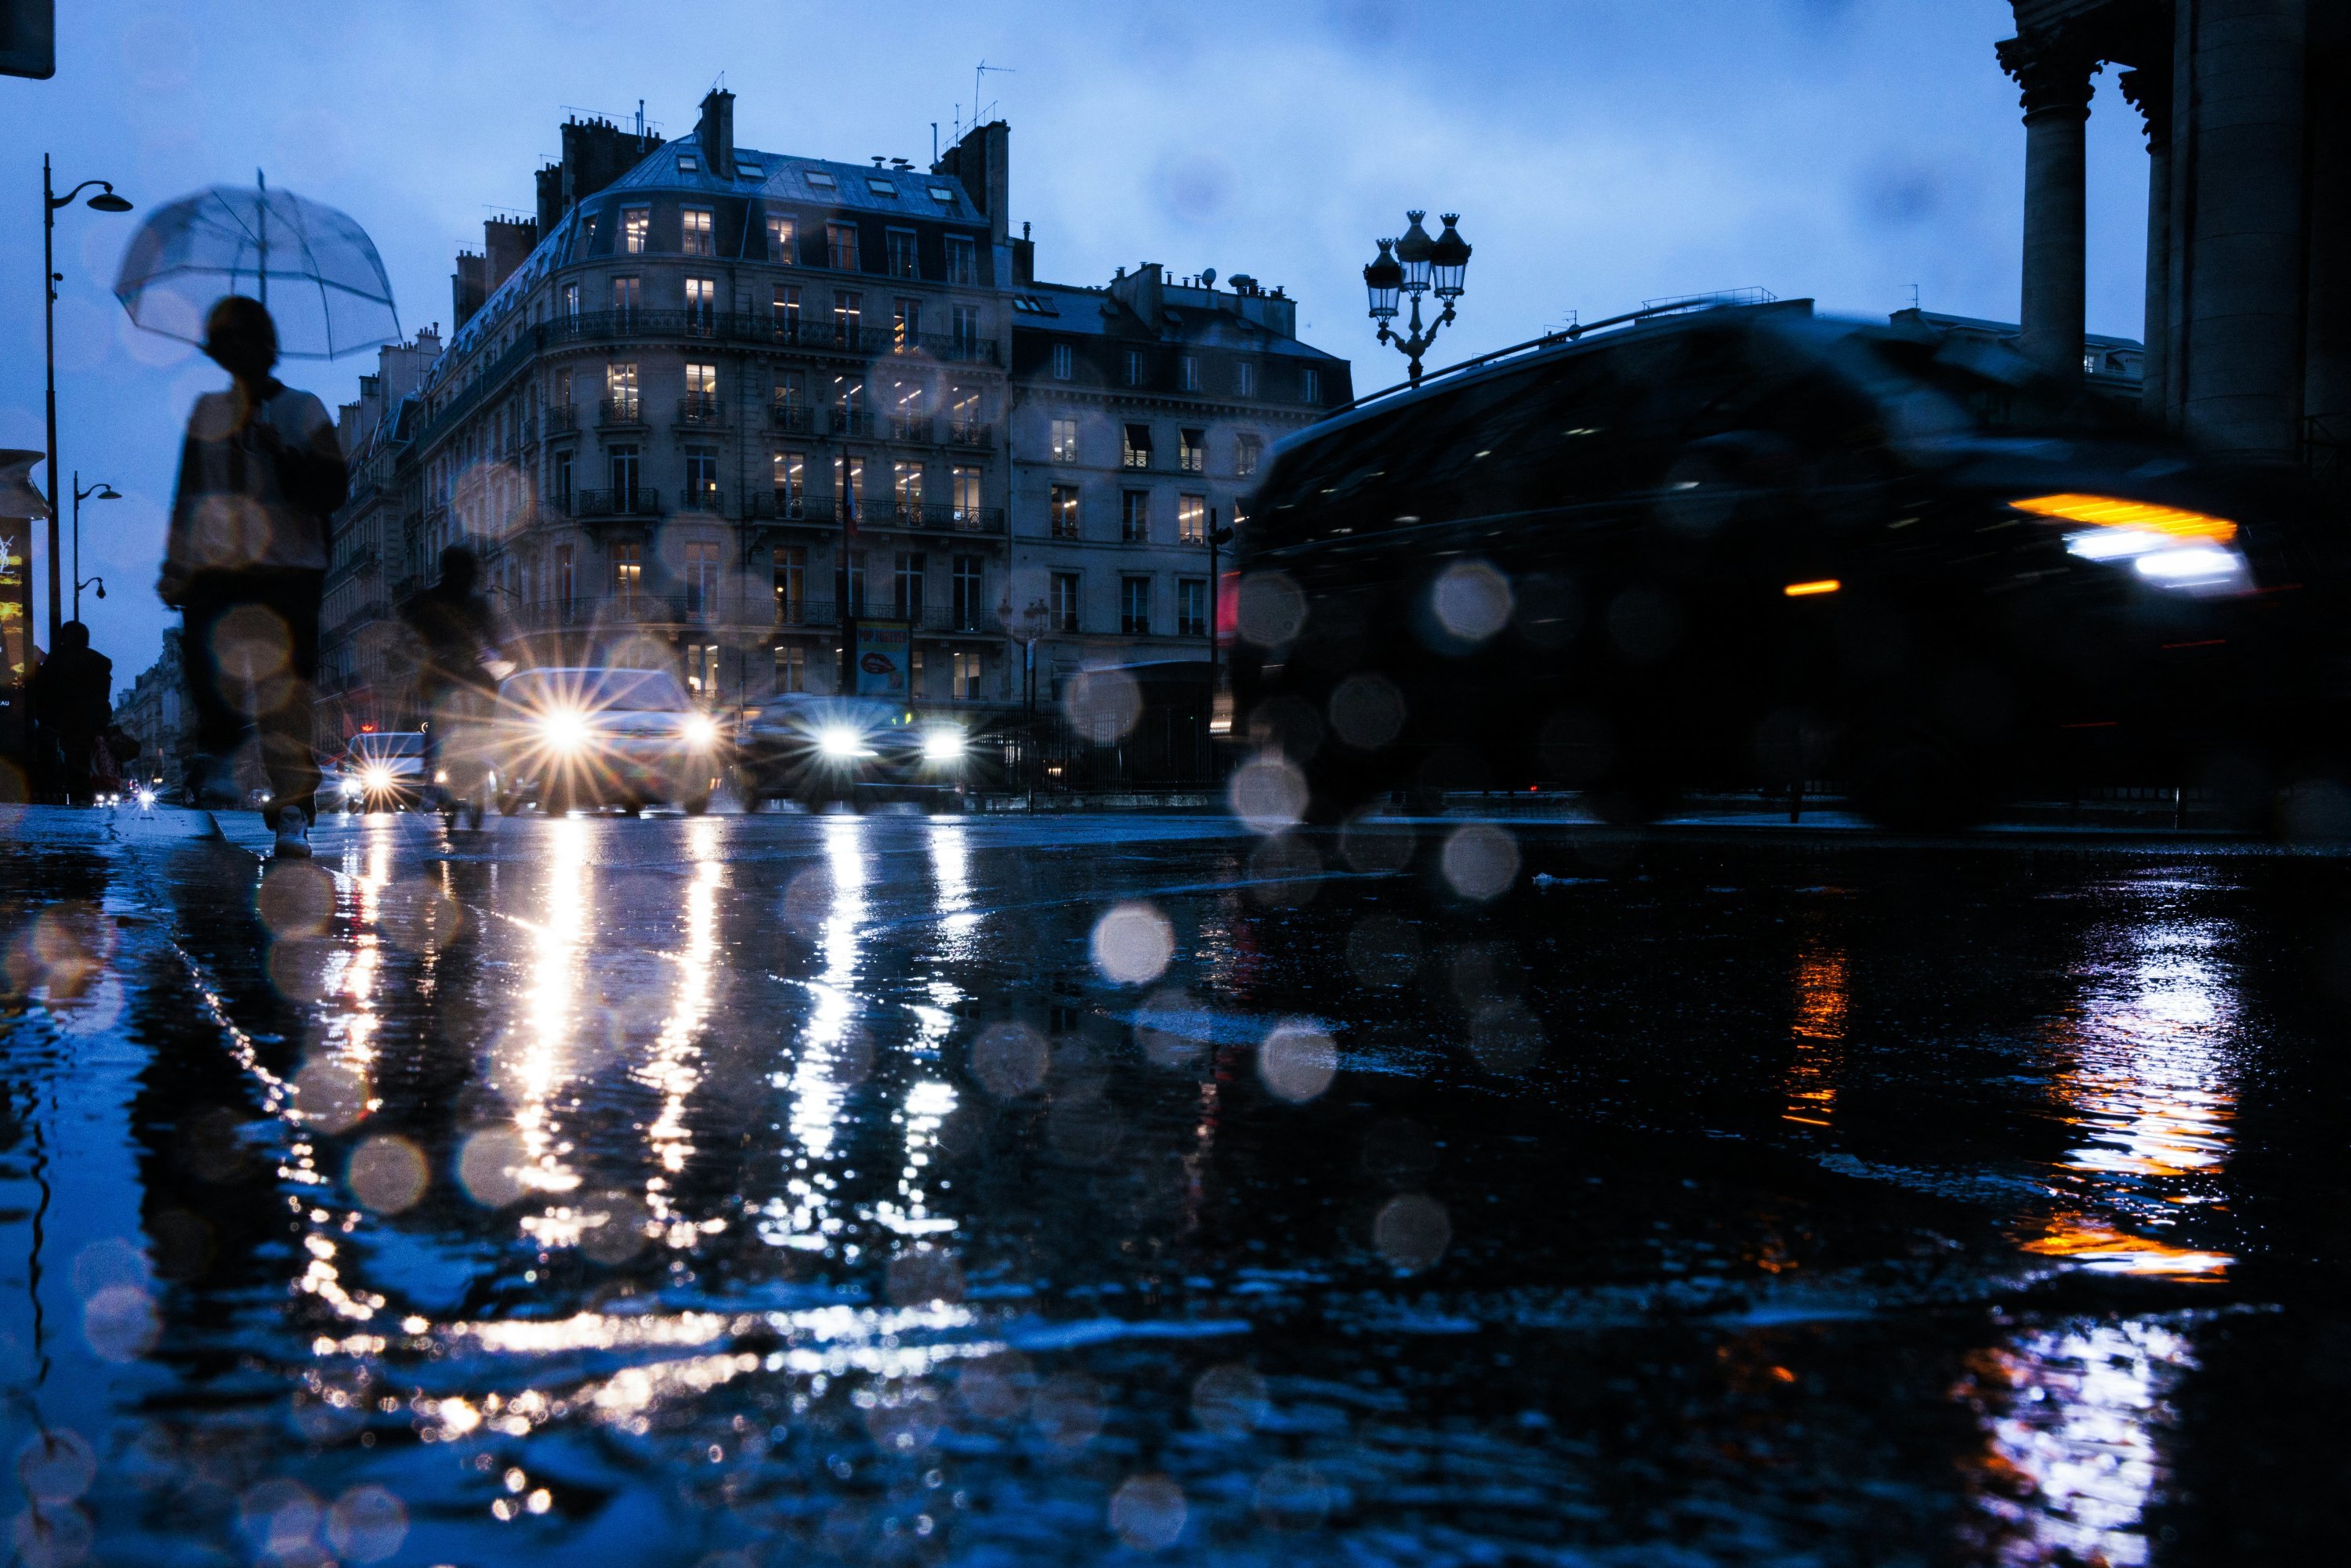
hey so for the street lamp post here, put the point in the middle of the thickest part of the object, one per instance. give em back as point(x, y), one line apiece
point(106, 201)
point(1417, 265)
point(101, 491)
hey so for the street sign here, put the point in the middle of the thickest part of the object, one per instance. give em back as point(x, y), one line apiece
point(884, 653)
point(28, 38)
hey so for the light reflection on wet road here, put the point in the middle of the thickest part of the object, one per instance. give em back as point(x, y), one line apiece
point(963, 1189)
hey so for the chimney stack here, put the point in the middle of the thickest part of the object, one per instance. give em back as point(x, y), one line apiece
point(716, 133)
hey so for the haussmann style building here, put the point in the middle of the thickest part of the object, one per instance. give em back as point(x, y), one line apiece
point(712, 404)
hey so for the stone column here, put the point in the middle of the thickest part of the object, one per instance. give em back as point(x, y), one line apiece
point(2327, 351)
point(2057, 83)
point(2150, 89)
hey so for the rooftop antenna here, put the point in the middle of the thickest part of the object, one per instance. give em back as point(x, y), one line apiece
point(641, 120)
point(978, 71)
point(1914, 297)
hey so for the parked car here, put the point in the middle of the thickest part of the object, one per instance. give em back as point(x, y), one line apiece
point(586, 738)
point(861, 751)
point(1746, 545)
point(381, 771)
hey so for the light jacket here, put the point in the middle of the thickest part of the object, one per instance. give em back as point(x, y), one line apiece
point(256, 492)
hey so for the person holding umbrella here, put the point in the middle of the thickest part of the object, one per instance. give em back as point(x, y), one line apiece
point(245, 565)
point(261, 471)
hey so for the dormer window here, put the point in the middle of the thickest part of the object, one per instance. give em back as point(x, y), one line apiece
point(687, 163)
point(882, 188)
point(943, 195)
point(748, 171)
point(817, 179)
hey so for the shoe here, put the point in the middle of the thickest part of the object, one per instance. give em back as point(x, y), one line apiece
point(293, 834)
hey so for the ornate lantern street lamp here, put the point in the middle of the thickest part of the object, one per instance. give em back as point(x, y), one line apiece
point(1413, 266)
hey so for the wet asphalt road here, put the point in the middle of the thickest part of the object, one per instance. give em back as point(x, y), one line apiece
point(984, 1190)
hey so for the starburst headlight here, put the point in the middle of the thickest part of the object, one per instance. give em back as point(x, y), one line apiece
point(841, 740)
point(700, 730)
point(942, 745)
point(563, 729)
point(2169, 547)
point(377, 777)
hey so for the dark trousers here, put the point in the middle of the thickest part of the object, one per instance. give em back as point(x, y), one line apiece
point(249, 641)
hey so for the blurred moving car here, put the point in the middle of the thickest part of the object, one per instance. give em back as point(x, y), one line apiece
point(585, 737)
point(861, 751)
point(381, 772)
point(1743, 545)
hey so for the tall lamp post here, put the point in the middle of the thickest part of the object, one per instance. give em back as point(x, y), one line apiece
point(1417, 265)
point(101, 491)
point(106, 201)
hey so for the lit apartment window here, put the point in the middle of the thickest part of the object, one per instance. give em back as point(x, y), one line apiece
point(962, 260)
point(1192, 451)
point(1134, 450)
point(788, 313)
point(1135, 606)
point(906, 585)
point(628, 294)
point(963, 676)
point(701, 305)
point(1062, 607)
point(1064, 445)
point(1188, 373)
point(906, 489)
point(906, 324)
point(636, 226)
point(1247, 450)
point(791, 470)
point(695, 234)
point(791, 668)
point(841, 246)
point(1245, 380)
point(1061, 357)
point(1309, 385)
point(628, 573)
point(1191, 520)
point(1191, 607)
point(963, 496)
point(571, 304)
point(701, 404)
point(1062, 510)
point(963, 416)
point(966, 583)
point(782, 238)
point(702, 479)
point(849, 413)
point(620, 391)
point(702, 669)
point(1135, 517)
point(788, 401)
point(701, 578)
point(905, 260)
point(1135, 367)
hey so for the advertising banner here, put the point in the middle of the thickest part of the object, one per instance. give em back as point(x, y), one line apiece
point(884, 656)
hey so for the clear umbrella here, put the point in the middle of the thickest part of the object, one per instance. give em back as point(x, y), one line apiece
point(314, 268)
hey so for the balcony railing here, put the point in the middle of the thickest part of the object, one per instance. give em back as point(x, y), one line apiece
point(752, 606)
point(613, 410)
point(698, 409)
point(702, 498)
point(758, 326)
point(826, 511)
point(637, 501)
point(791, 418)
point(850, 421)
point(910, 427)
point(970, 432)
point(561, 417)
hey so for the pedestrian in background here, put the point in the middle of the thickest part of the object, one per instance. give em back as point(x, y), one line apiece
point(72, 699)
point(461, 642)
point(245, 565)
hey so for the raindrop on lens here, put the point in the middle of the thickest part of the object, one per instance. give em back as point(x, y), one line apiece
point(620, 1233)
point(1412, 1231)
point(296, 899)
point(1367, 710)
point(1480, 861)
point(367, 1524)
point(1011, 1060)
point(387, 1174)
point(56, 1466)
point(331, 1095)
point(120, 1322)
point(1132, 944)
point(1268, 608)
point(1147, 1513)
point(1293, 1495)
point(1229, 1400)
point(1268, 794)
point(1296, 1062)
point(1471, 600)
point(490, 1166)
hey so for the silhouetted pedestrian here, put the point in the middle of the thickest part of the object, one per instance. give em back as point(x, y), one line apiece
point(246, 562)
point(72, 699)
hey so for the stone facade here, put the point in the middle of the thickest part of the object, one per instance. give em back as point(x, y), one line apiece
point(155, 712)
point(2248, 336)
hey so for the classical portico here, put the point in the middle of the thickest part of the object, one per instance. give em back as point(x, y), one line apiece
point(2248, 326)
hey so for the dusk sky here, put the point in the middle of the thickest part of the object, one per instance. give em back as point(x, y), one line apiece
point(1600, 152)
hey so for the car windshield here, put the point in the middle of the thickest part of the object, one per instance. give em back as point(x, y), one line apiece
point(381, 748)
point(2002, 389)
point(636, 691)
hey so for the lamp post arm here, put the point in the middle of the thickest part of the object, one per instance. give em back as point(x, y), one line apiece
point(66, 200)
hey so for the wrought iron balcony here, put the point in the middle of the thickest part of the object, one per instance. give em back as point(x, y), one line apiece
point(791, 418)
point(699, 409)
point(622, 411)
point(910, 427)
point(850, 422)
point(970, 432)
point(635, 501)
point(701, 499)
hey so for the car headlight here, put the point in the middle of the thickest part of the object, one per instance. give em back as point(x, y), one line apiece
point(840, 740)
point(377, 777)
point(700, 730)
point(942, 745)
point(146, 800)
point(563, 730)
point(2167, 547)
